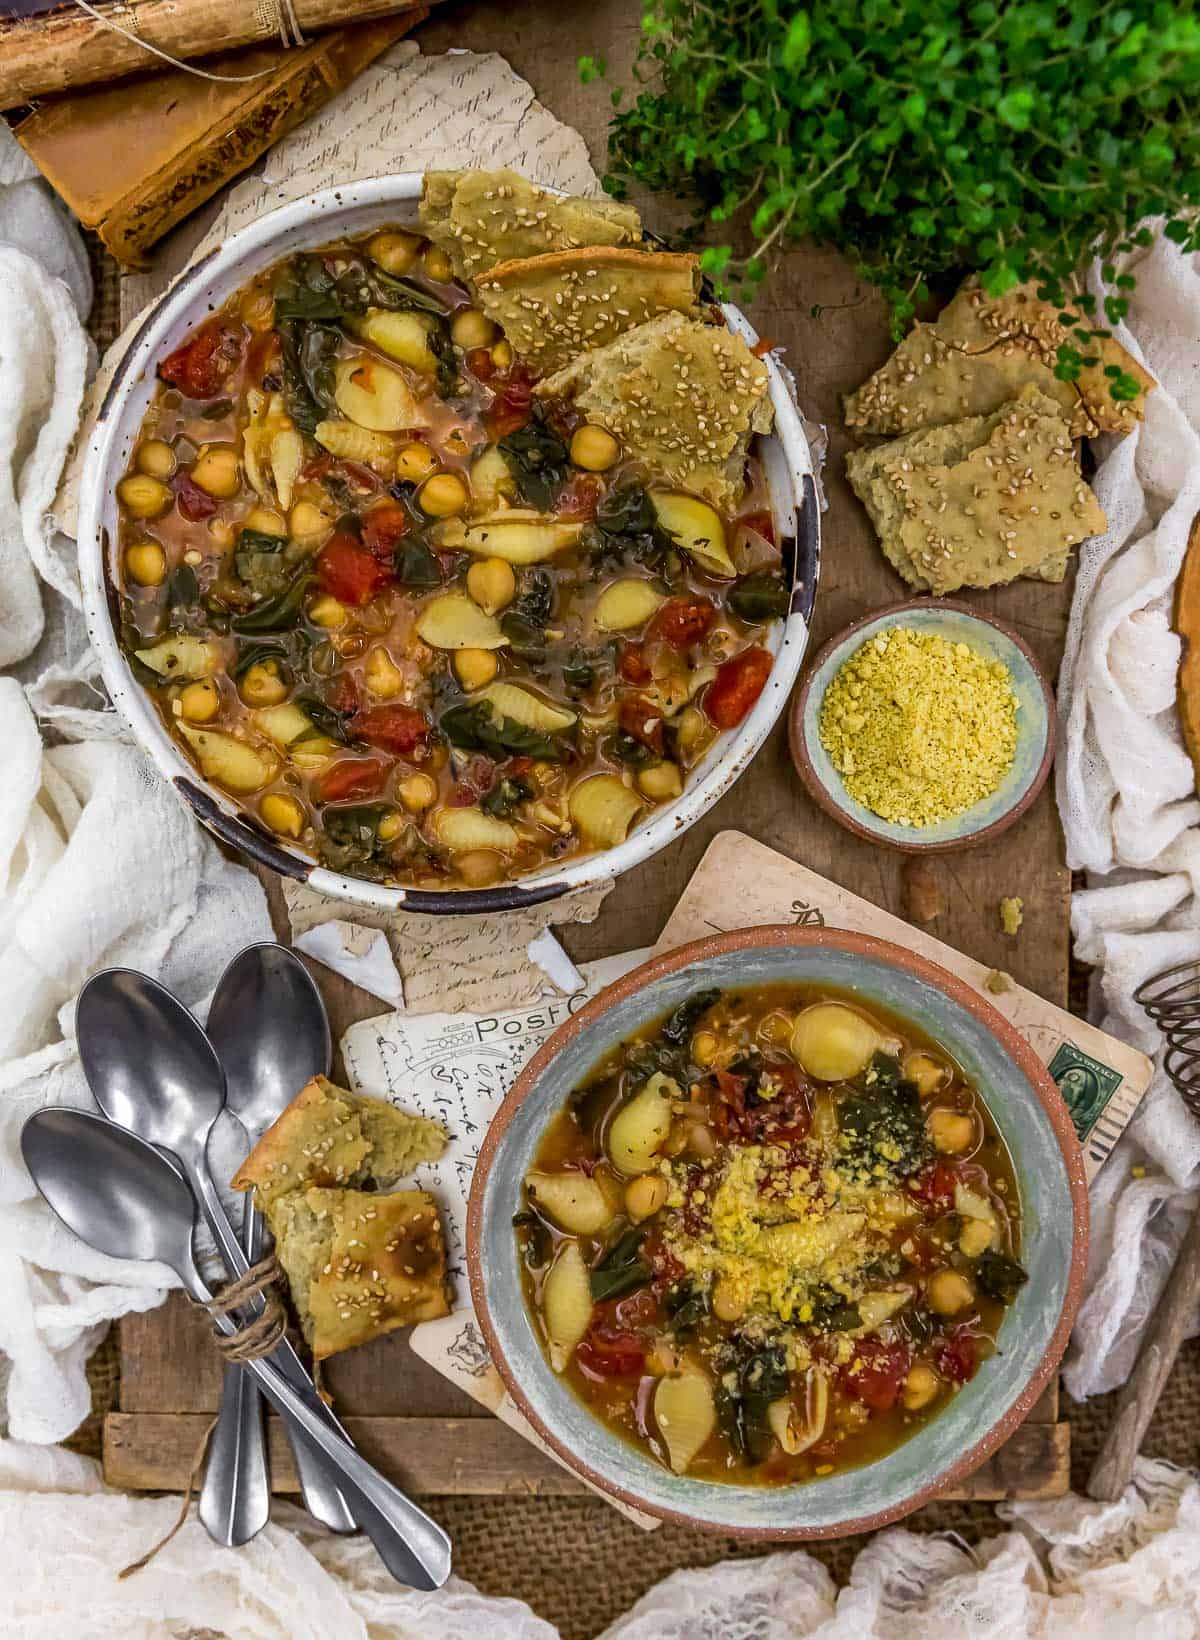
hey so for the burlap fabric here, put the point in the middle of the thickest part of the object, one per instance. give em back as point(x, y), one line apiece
point(577, 1562)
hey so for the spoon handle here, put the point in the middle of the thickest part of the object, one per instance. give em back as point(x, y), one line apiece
point(235, 1499)
point(413, 1548)
point(318, 1487)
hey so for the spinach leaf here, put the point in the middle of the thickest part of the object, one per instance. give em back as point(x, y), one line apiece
point(884, 1125)
point(277, 613)
point(349, 838)
point(580, 669)
point(763, 596)
point(831, 1312)
point(217, 409)
point(622, 747)
point(475, 728)
point(621, 1269)
point(538, 461)
point(505, 795)
point(1000, 1276)
point(390, 290)
point(186, 611)
point(307, 351)
point(260, 563)
point(253, 653)
point(327, 720)
point(680, 1025)
point(308, 292)
point(760, 1378)
point(686, 1304)
point(626, 525)
point(524, 621)
point(416, 563)
point(536, 1242)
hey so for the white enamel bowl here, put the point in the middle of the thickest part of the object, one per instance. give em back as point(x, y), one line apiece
point(303, 225)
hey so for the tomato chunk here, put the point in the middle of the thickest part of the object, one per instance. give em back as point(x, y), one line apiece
point(958, 1357)
point(683, 621)
point(580, 498)
point(352, 777)
point(643, 721)
point(349, 572)
point(481, 364)
point(933, 1187)
point(875, 1373)
point(632, 665)
point(738, 684)
point(199, 368)
point(383, 526)
point(511, 408)
point(400, 730)
point(191, 501)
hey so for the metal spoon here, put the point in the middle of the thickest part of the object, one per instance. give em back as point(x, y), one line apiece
point(123, 1197)
point(268, 1026)
point(153, 1071)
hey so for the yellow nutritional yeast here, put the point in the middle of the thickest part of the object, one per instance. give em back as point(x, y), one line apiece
point(919, 728)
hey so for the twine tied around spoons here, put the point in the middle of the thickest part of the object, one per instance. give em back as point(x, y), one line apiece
point(257, 1337)
point(1172, 1000)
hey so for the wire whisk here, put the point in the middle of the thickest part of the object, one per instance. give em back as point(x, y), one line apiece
point(1172, 999)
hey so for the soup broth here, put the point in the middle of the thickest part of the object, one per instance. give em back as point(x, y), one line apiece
point(771, 1236)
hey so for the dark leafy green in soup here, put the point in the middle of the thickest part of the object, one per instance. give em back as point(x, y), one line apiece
point(430, 629)
point(771, 1236)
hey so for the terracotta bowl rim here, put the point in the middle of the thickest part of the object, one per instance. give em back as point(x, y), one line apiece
point(957, 990)
point(828, 800)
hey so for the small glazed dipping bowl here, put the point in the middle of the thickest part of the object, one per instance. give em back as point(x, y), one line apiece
point(1029, 1114)
point(1036, 721)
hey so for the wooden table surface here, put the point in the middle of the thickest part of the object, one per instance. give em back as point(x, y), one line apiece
point(834, 330)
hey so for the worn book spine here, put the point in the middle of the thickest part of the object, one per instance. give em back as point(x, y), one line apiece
point(172, 141)
point(51, 45)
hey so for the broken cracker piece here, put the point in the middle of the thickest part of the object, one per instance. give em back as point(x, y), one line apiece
point(982, 351)
point(328, 1136)
point(980, 502)
point(680, 395)
point(1012, 913)
point(359, 1264)
point(554, 307)
point(480, 218)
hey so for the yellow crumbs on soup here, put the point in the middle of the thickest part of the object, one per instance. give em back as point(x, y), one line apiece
point(919, 728)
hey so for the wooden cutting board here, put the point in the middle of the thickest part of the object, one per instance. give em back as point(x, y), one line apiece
point(419, 1429)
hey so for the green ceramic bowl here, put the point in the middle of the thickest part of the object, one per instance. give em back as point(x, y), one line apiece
point(1026, 1108)
point(958, 623)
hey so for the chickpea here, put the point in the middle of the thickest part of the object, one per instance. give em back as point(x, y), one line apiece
point(920, 1387)
point(701, 1140)
point(776, 1028)
point(143, 496)
point(262, 684)
point(390, 826)
point(727, 1304)
point(257, 308)
point(645, 1195)
point(417, 792)
point(661, 782)
point(950, 1130)
point(975, 1237)
point(594, 449)
point(382, 676)
point(284, 815)
point(327, 611)
point(266, 521)
point(492, 583)
point(479, 867)
point(395, 252)
point(928, 1073)
point(690, 728)
point(156, 458)
point(200, 701)
point(470, 329)
point(415, 462)
point(306, 520)
point(502, 355)
point(222, 533)
point(443, 495)
point(437, 265)
point(216, 471)
point(146, 563)
point(948, 1292)
point(475, 667)
point(705, 1048)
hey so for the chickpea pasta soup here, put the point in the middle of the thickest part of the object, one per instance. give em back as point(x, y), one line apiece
point(771, 1236)
point(439, 609)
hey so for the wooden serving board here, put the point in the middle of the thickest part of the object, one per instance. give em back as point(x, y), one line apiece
point(420, 1429)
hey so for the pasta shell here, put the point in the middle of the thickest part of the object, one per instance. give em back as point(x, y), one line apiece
point(686, 1415)
point(566, 1304)
point(603, 808)
point(454, 621)
point(575, 1203)
point(639, 1128)
point(832, 1042)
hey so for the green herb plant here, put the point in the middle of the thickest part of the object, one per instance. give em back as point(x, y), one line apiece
point(1017, 138)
